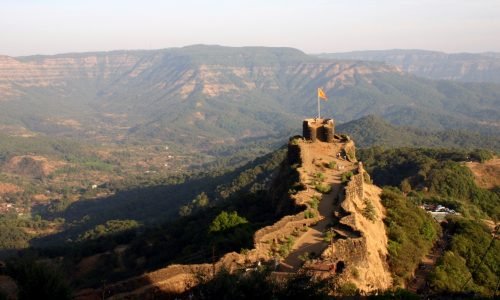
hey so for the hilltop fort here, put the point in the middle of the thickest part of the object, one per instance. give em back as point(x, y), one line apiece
point(338, 231)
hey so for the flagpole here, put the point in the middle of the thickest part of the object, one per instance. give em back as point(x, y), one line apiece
point(319, 113)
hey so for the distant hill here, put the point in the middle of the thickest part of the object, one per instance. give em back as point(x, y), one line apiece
point(374, 131)
point(201, 96)
point(467, 67)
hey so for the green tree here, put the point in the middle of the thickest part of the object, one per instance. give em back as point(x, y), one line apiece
point(225, 221)
point(405, 186)
point(201, 200)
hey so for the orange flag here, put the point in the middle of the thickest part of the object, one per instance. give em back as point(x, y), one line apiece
point(321, 94)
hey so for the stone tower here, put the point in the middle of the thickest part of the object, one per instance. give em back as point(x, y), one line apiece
point(318, 129)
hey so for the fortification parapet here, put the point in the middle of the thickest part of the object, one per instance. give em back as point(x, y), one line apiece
point(319, 129)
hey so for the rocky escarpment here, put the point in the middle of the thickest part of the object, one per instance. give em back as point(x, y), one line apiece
point(475, 67)
point(173, 72)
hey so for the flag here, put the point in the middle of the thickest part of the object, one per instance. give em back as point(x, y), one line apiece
point(321, 94)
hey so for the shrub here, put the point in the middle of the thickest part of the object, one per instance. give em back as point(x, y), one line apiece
point(323, 188)
point(346, 177)
point(309, 214)
point(369, 211)
point(285, 248)
point(331, 165)
point(319, 176)
point(468, 256)
point(328, 236)
point(348, 289)
point(306, 256)
point(314, 203)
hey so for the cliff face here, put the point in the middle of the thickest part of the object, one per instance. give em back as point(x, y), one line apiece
point(472, 67)
point(170, 72)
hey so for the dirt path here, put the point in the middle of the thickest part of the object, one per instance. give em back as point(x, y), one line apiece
point(312, 241)
point(419, 281)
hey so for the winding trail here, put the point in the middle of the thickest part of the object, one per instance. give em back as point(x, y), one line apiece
point(312, 241)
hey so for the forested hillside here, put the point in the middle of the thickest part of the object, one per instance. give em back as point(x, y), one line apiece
point(469, 262)
point(375, 131)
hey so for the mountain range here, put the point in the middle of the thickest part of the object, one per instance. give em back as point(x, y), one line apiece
point(466, 67)
point(210, 95)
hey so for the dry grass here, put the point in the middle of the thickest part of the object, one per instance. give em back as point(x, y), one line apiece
point(487, 174)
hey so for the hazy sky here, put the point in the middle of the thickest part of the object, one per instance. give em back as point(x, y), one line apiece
point(57, 26)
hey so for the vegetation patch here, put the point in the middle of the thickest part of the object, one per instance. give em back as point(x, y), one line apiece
point(432, 174)
point(331, 165)
point(314, 203)
point(369, 211)
point(285, 246)
point(409, 241)
point(346, 177)
point(225, 221)
point(309, 214)
point(323, 188)
point(471, 262)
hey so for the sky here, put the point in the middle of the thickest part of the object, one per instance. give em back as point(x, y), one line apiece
point(30, 27)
